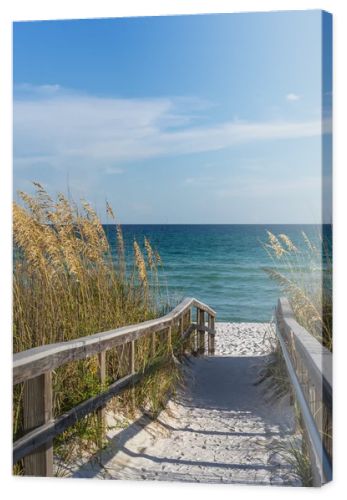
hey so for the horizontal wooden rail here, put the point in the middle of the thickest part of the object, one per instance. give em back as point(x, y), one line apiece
point(40, 435)
point(309, 365)
point(36, 361)
point(34, 368)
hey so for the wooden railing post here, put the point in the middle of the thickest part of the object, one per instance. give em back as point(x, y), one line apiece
point(212, 335)
point(209, 336)
point(201, 335)
point(169, 339)
point(196, 333)
point(132, 370)
point(101, 414)
point(181, 333)
point(132, 357)
point(191, 343)
point(189, 315)
point(34, 369)
point(309, 369)
point(38, 410)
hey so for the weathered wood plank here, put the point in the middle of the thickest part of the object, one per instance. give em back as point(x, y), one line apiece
point(204, 328)
point(181, 330)
point(38, 410)
point(213, 334)
point(191, 328)
point(132, 361)
point(132, 357)
point(36, 361)
point(34, 367)
point(201, 331)
point(46, 432)
point(317, 359)
point(169, 339)
point(209, 336)
point(101, 411)
point(37, 437)
point(320, 461)
point(311, 364)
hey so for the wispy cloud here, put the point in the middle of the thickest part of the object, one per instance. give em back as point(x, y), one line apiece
point(198, 181)
point(293, 97)
point(25, 90)
point(256, 187)
point(58, 128)
point(114, 171)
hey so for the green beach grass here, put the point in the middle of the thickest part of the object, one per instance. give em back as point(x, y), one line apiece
point(305, 276)
point(67, 284)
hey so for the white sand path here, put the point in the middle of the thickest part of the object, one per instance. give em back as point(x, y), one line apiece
point(221, 428)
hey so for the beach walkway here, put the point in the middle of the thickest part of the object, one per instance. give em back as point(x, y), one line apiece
point(223, 426)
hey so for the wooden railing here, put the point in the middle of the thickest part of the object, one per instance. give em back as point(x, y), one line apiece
point(34, 368)
point(309, 365)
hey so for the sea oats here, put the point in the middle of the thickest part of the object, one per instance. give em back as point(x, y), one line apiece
point(305, 276)
point(140, 263)
point(121, 250)
point(311, 246)
point(288, 242)
point(157, 257)
point(109, 211)
point(275, 245)
point(150, 253)
point(65, 286)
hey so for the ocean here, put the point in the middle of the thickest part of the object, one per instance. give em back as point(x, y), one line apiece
point(221, 265)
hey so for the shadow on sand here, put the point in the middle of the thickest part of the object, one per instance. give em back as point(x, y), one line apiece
point(222, 385)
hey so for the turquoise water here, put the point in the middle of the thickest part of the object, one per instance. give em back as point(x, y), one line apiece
point(220, 265)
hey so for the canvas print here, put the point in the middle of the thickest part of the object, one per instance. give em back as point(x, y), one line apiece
point(172, 248)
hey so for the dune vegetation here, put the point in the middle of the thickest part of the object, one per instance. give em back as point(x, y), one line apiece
point(67, 283)
point(304, 274)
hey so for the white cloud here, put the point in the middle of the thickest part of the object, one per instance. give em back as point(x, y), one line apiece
point(198, 181)
point(114, 171)
point(27, 89)
point(64, 129)
point(293, 97)
point(253, 188)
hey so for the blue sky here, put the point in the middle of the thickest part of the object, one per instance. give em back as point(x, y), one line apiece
point(181, 119)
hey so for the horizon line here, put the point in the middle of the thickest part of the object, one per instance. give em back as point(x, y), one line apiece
point(217, 224)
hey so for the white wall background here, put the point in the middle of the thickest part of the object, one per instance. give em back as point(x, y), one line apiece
point(68, 9)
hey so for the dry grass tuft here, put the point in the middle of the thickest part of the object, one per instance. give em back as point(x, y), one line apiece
point(66, 285)
point(304, 274)
point(140, 264)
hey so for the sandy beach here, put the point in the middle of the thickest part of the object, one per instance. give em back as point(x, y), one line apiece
point(222, 427)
